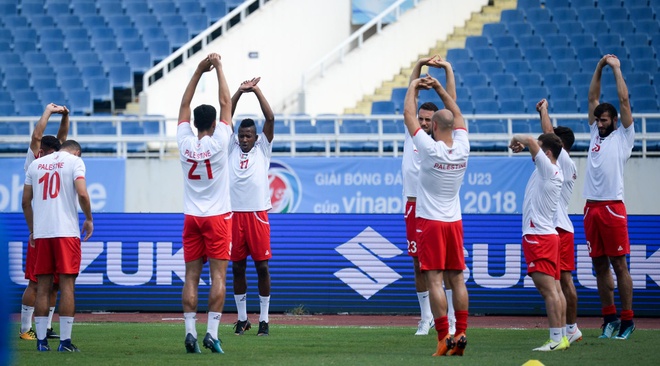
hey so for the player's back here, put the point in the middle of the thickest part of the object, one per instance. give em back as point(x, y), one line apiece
point(205, 172)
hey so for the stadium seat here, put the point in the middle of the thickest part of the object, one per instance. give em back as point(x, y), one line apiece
point(383, 107)
point(44, 83)
point(613, 13)
point(136, 7)
point(517, 66)
point(473, 80)
point(564, 15)
point(120, 76)
point(521, 126)
point(564, 106)
point(15, 21)
point(28, 108)
point(589, 14)
point(529, 41)
point(622, 26)
point(477, 41)
point(502, 79)
point(642, 12)
point(491, 67)
point(509, 92)
point(482, 93)
point(608, 40)
point(534, 54)
point(648, 65)
point(56, 96)
point(430, 96)
point(545, 28)
point(503, 41)
point(556, 79)
point(519, 28)
point(638, 53)
point(6, 109)
point(466, 106)
point(357, 126)
point(484, 54)
point(538, 15)
point(494, 29)
point(529, 4)
point(637, 91)
point(512, 15)
point(80, 100)
point(639, 78)
point(582, 40)
point(455, 55)
point(509, 53)
point(570, 67)
point(544, 66)
point(636, 40)
point(512, 106)
point(559, 92)
point(463, 93)
point(556, 40)
point(570, 28)
point(535, 93)
point(486, 106)
point(466, 67)
point(119, 21)
point(197, 23)
point(100, 89)
point(140, 61)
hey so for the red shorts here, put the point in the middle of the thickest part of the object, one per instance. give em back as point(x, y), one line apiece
point(57, 255)
point(251, 236)
point(206, 237)
point(542, 254)
point(606, 228)
point(440, 245)
point(566, 250)
point(411, 228)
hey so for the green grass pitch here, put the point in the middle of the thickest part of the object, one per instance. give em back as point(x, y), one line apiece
point(162, 344)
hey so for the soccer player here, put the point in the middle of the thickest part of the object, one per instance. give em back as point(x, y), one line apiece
point(52, 184)
point(443, 161)
point(605, 217)
point(249, 159)
point(410, 169)
point(40, 146)
point(540, 240)
point(563, 223)
point(207, 206)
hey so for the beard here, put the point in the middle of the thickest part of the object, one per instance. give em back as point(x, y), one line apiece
point(607, 131)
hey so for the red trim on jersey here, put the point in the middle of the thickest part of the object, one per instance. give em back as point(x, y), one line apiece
point(417, 130)
point(83, 178)
point(461, 128)
point(224, 122)
point(180, 122)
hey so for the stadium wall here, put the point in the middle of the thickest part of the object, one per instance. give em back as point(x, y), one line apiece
point(329, 263)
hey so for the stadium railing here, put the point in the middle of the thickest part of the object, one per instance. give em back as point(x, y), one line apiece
point(162, 143)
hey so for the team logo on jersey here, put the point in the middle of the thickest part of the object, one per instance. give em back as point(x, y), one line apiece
point(596, 148)
point(285, 188)
point(365, 251)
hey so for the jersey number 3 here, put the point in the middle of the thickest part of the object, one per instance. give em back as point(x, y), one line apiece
point(191, 172)
point(51, 185)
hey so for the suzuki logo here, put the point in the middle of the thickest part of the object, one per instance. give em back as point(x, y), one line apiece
point(365, 251)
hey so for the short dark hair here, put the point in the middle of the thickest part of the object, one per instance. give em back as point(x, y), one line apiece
point(429, 107)
point(247, 123)
point(71, 145)
point(566, 135)
point(204, 117)
point(551, 142)
point(50, 142)
point(606, 107)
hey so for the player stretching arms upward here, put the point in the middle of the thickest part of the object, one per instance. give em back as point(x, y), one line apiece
point(249, 158)
point(207, 206)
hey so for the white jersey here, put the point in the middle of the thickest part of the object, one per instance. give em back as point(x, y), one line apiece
point(54, 200)
point(440, 176)
point(569, 171)
point(249, 184)
point(205, 172)
point(410, 167)
point(29, 158)
point(542, 197)
point(605, 163)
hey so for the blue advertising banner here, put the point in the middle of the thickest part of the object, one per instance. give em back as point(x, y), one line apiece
point(330, 263)
point(374, 185)
point(105, 184)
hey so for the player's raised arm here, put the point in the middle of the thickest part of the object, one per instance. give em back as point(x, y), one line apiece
point(269, 124)
point(184, 109)
point(546, 123)
point(245, 87)
point(448, 100)
point(410, 107)
point(594, 88)
point(449, 71)
point(223, 91)
point(417, 69)
point(40, 127)
point(63, 131)
point(520, 142)
point(622, 91)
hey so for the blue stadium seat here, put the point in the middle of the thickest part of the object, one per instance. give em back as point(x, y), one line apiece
point(87, 58)
point(555, 79)
point(140, 61)
point(466, 106)
point(8, 8)
point(357, 126)
point(561, 92)
point(639, 78)
point(197, 22)
point(570, 28)
point(564, 15)
point(538, 15)
point(178, 36)
point(120, 76)
point(42, 21)
point(502, 79)
point(466, 67)
point(44, 83)
point(519, 28)
point(217, 11)
point(535, 93)
point(529, 4)
point(80, 101)
point(512, 106)
point(171, 20)
point(430, 96)
point(159, 49)
point(477, 41)
point(52, 46)
point(455, 55)
point(56, 96)
point(637, 53)
point(100, 89)
point(152, 34)
point(529, 41)
point(69, 83)
point(48, 34)
point(510, 53)
point(67, 20)
point(14, 21)
point(642, 12)
point(636, 40)
point(119, 21)
point(383, 107)
point(163, 7)
point(6, 109)
point(398, 96)
point(112, 58)
point(534, 54)
point(582, 40)
point(564, 106)
point(136, 7)
point(24, 33)
point(577, 126)
point(35, 58)
point(589, 52)
point(481, 93)
point(596, 26)
point(512, 15)
point(31, 107)
point(622, 26)
point(517, 66)
point(615, 13)
point(589, 14)
point(491, 67)
point(494, 29)
point(133, 45)
point(608, 40)
point(641, 91)
point(648, 65)
point(556, 40)
point(509, 92)
point(189, 6)
point(463, 93)
point(503, 41)
point(473, 80)
point(521, 126)
point(92, 21)
point(23, 46)
point(484, 54)
point(545, 28)
point(489, 126)
point(92, 71)
point(305, 127)
point(570, 67)
point(77, 33)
